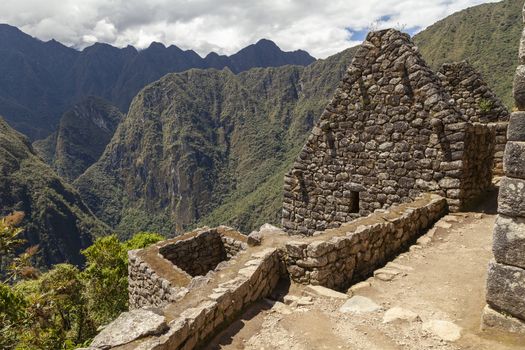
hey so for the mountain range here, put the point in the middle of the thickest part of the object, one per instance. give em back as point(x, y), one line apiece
point(201, 146)
point(39, 80)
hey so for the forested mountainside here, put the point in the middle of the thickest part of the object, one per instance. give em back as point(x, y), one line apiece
point(56, 219)
point(202, 146)
point(487, 36)
point(40, 80)
point(211, 147)
point(83, 134)
point(208, 145)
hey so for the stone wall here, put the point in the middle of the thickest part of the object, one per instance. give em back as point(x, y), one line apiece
point(477, 102)
point(202, 316)
point(167, 271)
point(390, 133)
point(360, 247)
point(506, 273)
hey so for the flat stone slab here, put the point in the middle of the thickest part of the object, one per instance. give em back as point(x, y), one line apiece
point(359, 305)
point(326, 292)
point(397, 314)
point(444, 330)
point(296, 300)
point(130, 326)
point(386, 274)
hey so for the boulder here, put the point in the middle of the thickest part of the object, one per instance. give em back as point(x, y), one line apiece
point(506, 289)
point(398, 314)
point(511, 200)
point(444, 330)
point(519, 87)
point(359, 305)
point(516, 129)
point(509, 241)
point(254, 238)
point(130, 326)
point(514, 160)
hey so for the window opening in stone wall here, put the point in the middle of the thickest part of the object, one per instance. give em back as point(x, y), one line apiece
point(354, 202)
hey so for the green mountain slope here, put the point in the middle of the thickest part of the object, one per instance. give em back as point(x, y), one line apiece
point(194, 145)
point(55, 217)
point(83, 134)
point(486, 35)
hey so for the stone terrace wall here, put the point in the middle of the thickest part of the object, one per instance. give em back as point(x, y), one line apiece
point(199, 254)
point(477, 102)
point(506, 273)
point(389, 134)
point(146, 287)
point(360, 248)
point(165, 272)
point(206, 315)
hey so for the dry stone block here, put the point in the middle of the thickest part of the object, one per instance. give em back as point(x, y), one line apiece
point(509, 241)
point(514, 161)
point(511, 200)
point(519, 87)
point(506, 289)
point(491, 319)
point(516, 129)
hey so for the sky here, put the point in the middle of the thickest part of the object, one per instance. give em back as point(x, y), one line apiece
point(321, 27)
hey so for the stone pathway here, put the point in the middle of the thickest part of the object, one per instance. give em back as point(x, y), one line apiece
point(430, 297)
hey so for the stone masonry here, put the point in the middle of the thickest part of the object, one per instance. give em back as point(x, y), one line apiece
point(365, 246)
point(165, 272)
point(506, 273)
point(335, 259)
point(390, 133)
point(478, 103)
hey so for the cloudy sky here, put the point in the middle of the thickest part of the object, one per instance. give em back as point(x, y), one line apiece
point(322, 27)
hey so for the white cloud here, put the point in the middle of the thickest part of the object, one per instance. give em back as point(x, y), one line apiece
point(224, 26)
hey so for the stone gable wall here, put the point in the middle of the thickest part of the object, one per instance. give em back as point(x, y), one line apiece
point(505, 308)
point(478, 103)
point(390, 133)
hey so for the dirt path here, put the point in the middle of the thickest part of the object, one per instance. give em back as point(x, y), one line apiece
point(441, 278)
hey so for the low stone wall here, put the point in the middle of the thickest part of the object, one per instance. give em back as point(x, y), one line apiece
point(146, 287)
point(358, 248)
point(203, 316)
point(165, 272)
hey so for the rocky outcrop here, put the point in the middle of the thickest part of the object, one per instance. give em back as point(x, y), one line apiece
point(83, 133)
point(56, 219)
point(390, 133)
point(506, 274)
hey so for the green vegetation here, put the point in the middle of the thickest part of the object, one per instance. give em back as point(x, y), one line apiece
point(82, 135)
point(63, 307)
point(208, 146)
point(487, 36)
point(55, 219)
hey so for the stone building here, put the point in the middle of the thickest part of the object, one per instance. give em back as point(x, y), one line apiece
point(505, 308)
point(477, 102)
point(390, 133)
